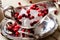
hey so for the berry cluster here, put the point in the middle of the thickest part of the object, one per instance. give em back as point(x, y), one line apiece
point(41, 12)
point(13, 28)
point(16, 27)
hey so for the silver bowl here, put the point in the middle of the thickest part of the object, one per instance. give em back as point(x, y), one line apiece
point(46, 25)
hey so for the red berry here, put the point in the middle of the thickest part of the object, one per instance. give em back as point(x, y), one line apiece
point(19, 3)
point(46, 11)
point(55, 12)
point(23, 35)
point(9, 27)
point(30, 1)
point(39, 10)
point(15, 24)
point(33, 6)
point(15, 29)
point(28, 11)
point(39, 14)
point(23, 15)
point(23, 30)
point(26, 16)
point(19, 17)
point(34, 23)
point(16, 14)
point(17, 33)
point(31, 24)
point(31, 17)
point(28, 31)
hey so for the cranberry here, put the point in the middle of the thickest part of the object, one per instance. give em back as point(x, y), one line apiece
point(15, 24)
point(39, 10)
point(16, 14)
point(19, 3)
point(9, 27)
point(23, 30)
point(30, 1)
point(28, 31)
point(17, 33)
point(39, 14)
point(26, 16)
point(23, 35)
point(20, 17)
point(55, 12)
point(31, 17)
point(15, 29)
point(35, 22)
point(31, 24)
point(33, 6)
point(46, 10)
point(19, 22)
point(23, 15)
point(28, 11)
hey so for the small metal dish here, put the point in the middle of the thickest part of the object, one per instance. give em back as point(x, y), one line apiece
point(46, 25)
